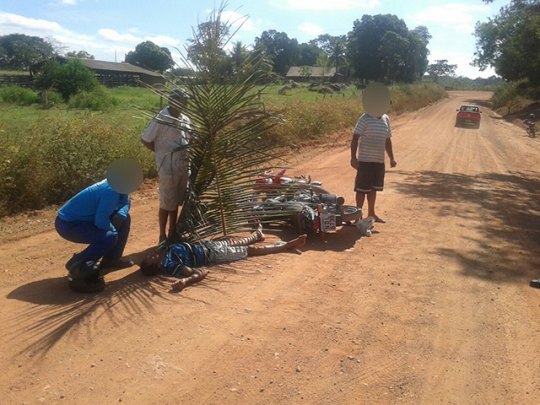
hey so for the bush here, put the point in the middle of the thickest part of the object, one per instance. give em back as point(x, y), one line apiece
point(410, 97)
point(18, 95)
point(98, 99)
point(68, 79)
point(51, 98)
point(60, 156)
point(302, 120)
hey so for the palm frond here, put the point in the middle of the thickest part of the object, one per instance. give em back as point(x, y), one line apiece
point(228, 148)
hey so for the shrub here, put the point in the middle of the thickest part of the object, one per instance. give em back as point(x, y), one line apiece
point(60, 156)
point(98, 99)
point(303, 120)
point(18, 95)
point(68, 79)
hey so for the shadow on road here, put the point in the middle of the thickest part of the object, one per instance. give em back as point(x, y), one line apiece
point(505, 208)
point(58, 312)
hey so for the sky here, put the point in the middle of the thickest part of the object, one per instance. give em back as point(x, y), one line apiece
point(109, 29)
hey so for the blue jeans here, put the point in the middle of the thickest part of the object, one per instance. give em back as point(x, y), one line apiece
point(102, 243)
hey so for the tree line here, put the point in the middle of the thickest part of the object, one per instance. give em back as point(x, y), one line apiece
point(378, 47)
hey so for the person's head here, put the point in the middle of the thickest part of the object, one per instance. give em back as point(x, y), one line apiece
point(376, 99)
point(178, 99)
point(531, 116)
point(151, 264)
point(125, 175)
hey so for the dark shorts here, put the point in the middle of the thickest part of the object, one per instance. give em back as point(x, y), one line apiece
point(369, 177)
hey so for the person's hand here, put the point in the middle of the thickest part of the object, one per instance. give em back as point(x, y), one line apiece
point(354, 163)
point(393, 163)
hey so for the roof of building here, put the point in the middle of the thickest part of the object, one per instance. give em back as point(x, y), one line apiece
point(115, 66)
point(311, 71)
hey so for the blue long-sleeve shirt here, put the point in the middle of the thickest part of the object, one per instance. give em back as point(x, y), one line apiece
point(96, 203)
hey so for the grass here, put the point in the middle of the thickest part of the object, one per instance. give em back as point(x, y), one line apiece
point(47, 155)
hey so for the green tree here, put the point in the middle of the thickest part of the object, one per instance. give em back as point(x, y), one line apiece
point(206, 48)
point(510, 42)
point(364, 44)
point(381, 47)
point(417, 58)
point(150, 56)
point(79, 55)
point(68, 79)
point(19, 51)
point(307, 54)
point(282, 51)
point(335, 47)
point(239, 55)
point(441, 67)
point(394, 52)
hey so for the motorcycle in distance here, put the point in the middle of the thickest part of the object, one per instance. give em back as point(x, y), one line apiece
point(301, 202)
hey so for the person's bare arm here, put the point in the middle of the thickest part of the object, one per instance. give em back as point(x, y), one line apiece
point(354, 148)
point(390, 152)
point(195, 275)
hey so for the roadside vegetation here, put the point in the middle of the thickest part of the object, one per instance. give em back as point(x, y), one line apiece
point(510, 44)
point(47, 154)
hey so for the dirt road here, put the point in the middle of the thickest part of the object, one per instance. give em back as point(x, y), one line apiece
point(435, 308)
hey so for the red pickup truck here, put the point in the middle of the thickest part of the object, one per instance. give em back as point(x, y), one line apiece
point(468, 114)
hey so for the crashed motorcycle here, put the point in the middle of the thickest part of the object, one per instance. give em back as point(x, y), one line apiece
point(302, 203)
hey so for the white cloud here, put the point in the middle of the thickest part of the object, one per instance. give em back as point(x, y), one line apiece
point(238, 20)
point(68, 2)
point(458, 16)
point(114, 36)
point(164, 40)
point(13, 23)
point(334, 5)
point(310, 29)
point(462, 60)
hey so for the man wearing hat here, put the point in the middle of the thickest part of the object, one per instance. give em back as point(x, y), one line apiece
point(168, 136)
point(99, 216)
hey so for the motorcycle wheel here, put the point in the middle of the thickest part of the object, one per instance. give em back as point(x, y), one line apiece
point(350, 213)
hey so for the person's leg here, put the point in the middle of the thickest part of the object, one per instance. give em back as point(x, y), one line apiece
point(362, 183)
point(257, 236)
point(99, 241)
point(371, 197)
point(163, 216)
point(172, 218)
point(114, 256)
point(378, 171)
point(296, 243)
point(360, 198)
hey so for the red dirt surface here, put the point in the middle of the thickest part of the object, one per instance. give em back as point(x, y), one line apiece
point(434, 308)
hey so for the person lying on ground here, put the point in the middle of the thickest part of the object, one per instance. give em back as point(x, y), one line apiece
point(183, 260)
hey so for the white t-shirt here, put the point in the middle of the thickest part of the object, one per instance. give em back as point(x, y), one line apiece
point(169, 133)
point(372, 133)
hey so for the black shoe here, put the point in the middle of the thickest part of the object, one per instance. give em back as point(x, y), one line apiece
point(85, 270)
point(535, 283)
point(116, 264)
point(86, 277)
point(91, 285)
point(72, 262)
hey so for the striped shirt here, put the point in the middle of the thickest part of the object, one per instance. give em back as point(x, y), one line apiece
point(372, 133)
